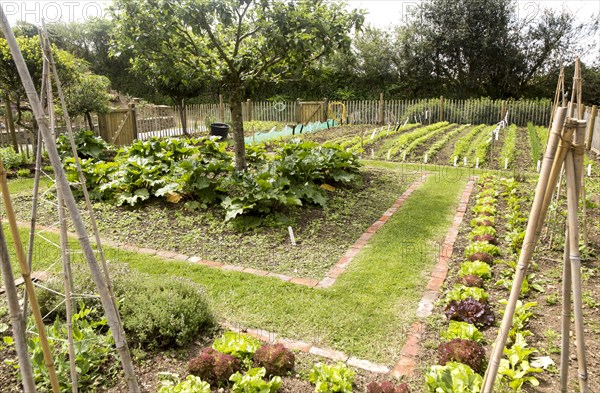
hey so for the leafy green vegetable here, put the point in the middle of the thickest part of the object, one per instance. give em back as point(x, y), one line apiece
point(462, 292)
point(481, 247)
point(463, 330)
point(476, 268)
point(191, 384)
point(252, 382)
point(331, 378)
point(453, 378)
point(517, 368)
point(240, 345)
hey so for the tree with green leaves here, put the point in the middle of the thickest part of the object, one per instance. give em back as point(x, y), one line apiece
point(234, 42)
point(89, 94)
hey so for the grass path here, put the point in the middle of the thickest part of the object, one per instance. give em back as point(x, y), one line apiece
point(370, 308)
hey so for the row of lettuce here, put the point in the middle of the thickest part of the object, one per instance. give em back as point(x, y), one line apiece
point(200, 173)
point(467, 305)
point(243, 364)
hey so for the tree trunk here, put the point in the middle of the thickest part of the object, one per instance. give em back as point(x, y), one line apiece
point(235, 102)
point(183, 116)
point(89, 120)
point(11, 124)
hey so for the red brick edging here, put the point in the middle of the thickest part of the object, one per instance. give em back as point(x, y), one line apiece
point(407, 363)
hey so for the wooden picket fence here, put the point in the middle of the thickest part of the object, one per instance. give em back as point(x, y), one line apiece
point(145, 121)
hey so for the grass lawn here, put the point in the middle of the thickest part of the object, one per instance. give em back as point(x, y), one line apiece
point(369, 309)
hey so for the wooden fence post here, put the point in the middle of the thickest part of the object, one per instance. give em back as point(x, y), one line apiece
point(298, 111)
point(133, 115)
point(325, 109)
point(442, 108)
point(591, 124)
point(381, 109)
point(221, 109)
point(249, 109)
point(10, 124)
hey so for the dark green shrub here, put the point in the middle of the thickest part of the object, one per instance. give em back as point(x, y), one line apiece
point(276, 359)
point(11, 159)
point(214, 367)
point(156, 311)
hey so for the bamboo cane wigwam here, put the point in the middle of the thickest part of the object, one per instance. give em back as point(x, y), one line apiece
point(565, 146)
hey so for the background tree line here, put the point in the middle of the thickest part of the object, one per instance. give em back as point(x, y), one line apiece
point(459, 49)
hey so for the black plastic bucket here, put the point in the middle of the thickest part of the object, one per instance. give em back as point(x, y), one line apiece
point(219, 129)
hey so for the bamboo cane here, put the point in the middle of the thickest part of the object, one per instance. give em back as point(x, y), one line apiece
point(566, 317)
point(16, 318)
point(26, 273)
point(36, 181)
point(64, 248)
point(68, 284)
point(61, 181)
point(531, 236)
point(572, 205)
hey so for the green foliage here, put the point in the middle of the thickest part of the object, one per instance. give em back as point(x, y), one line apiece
point(331, 378)
point(443, 141)
point(463, 144)
point(141, 300)
point(240, 345)
point(23, 173)
point(88, 145)
point(484, 210)
point(464, 331)
point(461, 292)
point(536, 144)
point(191, 384)
point(477, 268)
point(516, 369)
point(509, 151)
point(89, 94)
point(95, 356)
point(404, 140)
point(453, 378)
point(523, 312)
point(354, 144)
point(482, 230)
point(252, 382)
point(415, 144)
point(12, 160)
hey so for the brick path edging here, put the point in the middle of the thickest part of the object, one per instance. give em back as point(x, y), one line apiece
point(330, 278)
point(408, 355)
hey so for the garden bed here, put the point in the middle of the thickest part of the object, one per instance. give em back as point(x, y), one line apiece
point(322, 234)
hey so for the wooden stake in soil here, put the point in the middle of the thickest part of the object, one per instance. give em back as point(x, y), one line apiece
point(63, 184)
point(16, 318)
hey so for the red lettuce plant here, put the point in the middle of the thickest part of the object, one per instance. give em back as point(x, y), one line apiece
point(214, 367)
point(276, 359)
point(467, 352)
point(387, 387)
point(471, 280)
point(470, 311)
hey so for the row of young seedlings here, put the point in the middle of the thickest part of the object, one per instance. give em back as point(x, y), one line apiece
point(242, 364)
point(461, 357)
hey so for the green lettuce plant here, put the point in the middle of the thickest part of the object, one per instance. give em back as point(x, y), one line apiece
point(477, 268)
point(452, 378)
point(463, 330)
point(252, 382)
point(331, 378)
point(240, 345)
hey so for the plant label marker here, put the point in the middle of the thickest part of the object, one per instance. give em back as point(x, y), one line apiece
point(477, 163)
point(388, 130)
point(373, 134)
point(465, 161)
point(372, 154)
point(539, 165)
point(292, 238)
point(389, 154)
point(404, 156)
point(506, 163)
point(589, 170)
point(425, 159)
point(455, 160)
